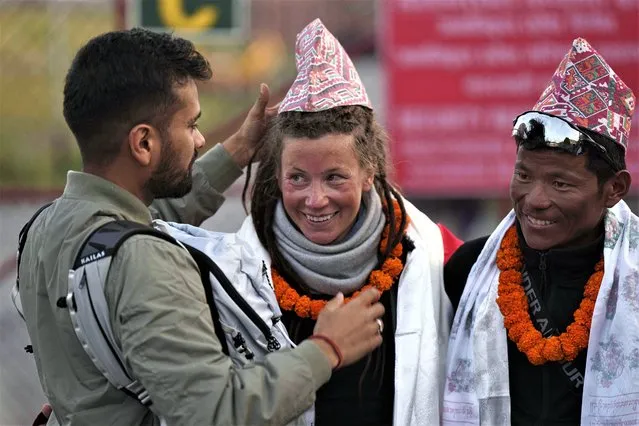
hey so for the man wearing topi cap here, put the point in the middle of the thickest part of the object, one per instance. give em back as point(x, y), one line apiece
point(546, 325)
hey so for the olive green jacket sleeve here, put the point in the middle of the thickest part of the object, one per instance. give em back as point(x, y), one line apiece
point(212, 175)
point(160, 316)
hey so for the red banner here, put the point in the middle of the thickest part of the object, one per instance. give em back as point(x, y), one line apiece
point(459, 71)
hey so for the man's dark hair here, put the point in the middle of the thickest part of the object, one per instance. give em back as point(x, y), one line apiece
point(124, 78)
point(604, 166)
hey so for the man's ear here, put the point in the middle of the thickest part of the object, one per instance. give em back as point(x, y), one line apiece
point(617, 187)
point(144, 143)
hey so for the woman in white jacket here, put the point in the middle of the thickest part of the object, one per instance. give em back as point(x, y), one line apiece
point(324, 220)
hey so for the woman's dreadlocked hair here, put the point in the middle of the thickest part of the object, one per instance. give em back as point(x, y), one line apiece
point(371, 143)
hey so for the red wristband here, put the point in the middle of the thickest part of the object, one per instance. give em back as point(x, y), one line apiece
point(333, 345)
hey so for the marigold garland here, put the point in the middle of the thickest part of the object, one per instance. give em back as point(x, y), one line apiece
point(513, 304)
point(382, 279)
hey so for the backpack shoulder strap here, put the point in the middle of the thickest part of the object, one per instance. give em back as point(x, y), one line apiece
point(208, 269)
point(108, 238)
point(87, 303)
point(203, 263)
point(22, 240)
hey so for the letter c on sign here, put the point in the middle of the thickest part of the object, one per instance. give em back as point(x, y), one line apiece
point(173, 14)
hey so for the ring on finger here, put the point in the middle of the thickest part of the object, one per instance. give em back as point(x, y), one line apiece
point(380, 325)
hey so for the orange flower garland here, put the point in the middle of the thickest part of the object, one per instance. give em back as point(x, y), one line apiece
point(382, 279)
point(513, 305)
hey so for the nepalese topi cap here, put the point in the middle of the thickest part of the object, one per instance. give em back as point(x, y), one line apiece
point(326, 77)
point(586, 92)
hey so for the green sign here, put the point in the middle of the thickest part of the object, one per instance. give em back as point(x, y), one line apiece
point(224, 17)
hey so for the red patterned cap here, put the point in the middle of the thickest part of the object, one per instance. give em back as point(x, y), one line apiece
point(586, 92)
point(326, 77)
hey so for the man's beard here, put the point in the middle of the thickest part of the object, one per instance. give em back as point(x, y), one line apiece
point(168, 181)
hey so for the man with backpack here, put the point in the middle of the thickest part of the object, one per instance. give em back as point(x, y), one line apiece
point(131, 101)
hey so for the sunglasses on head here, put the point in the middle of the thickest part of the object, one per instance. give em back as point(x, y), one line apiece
point(558, 133)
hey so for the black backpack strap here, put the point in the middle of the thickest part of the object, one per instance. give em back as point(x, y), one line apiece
point(22, 240)
point(203, 263)
point(107, 239)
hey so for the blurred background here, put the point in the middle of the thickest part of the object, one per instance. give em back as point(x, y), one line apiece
point(446, 78)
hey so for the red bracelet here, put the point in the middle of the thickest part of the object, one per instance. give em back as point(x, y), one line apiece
point(332, 344)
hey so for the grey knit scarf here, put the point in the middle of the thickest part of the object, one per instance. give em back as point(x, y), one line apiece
point(343, 266)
